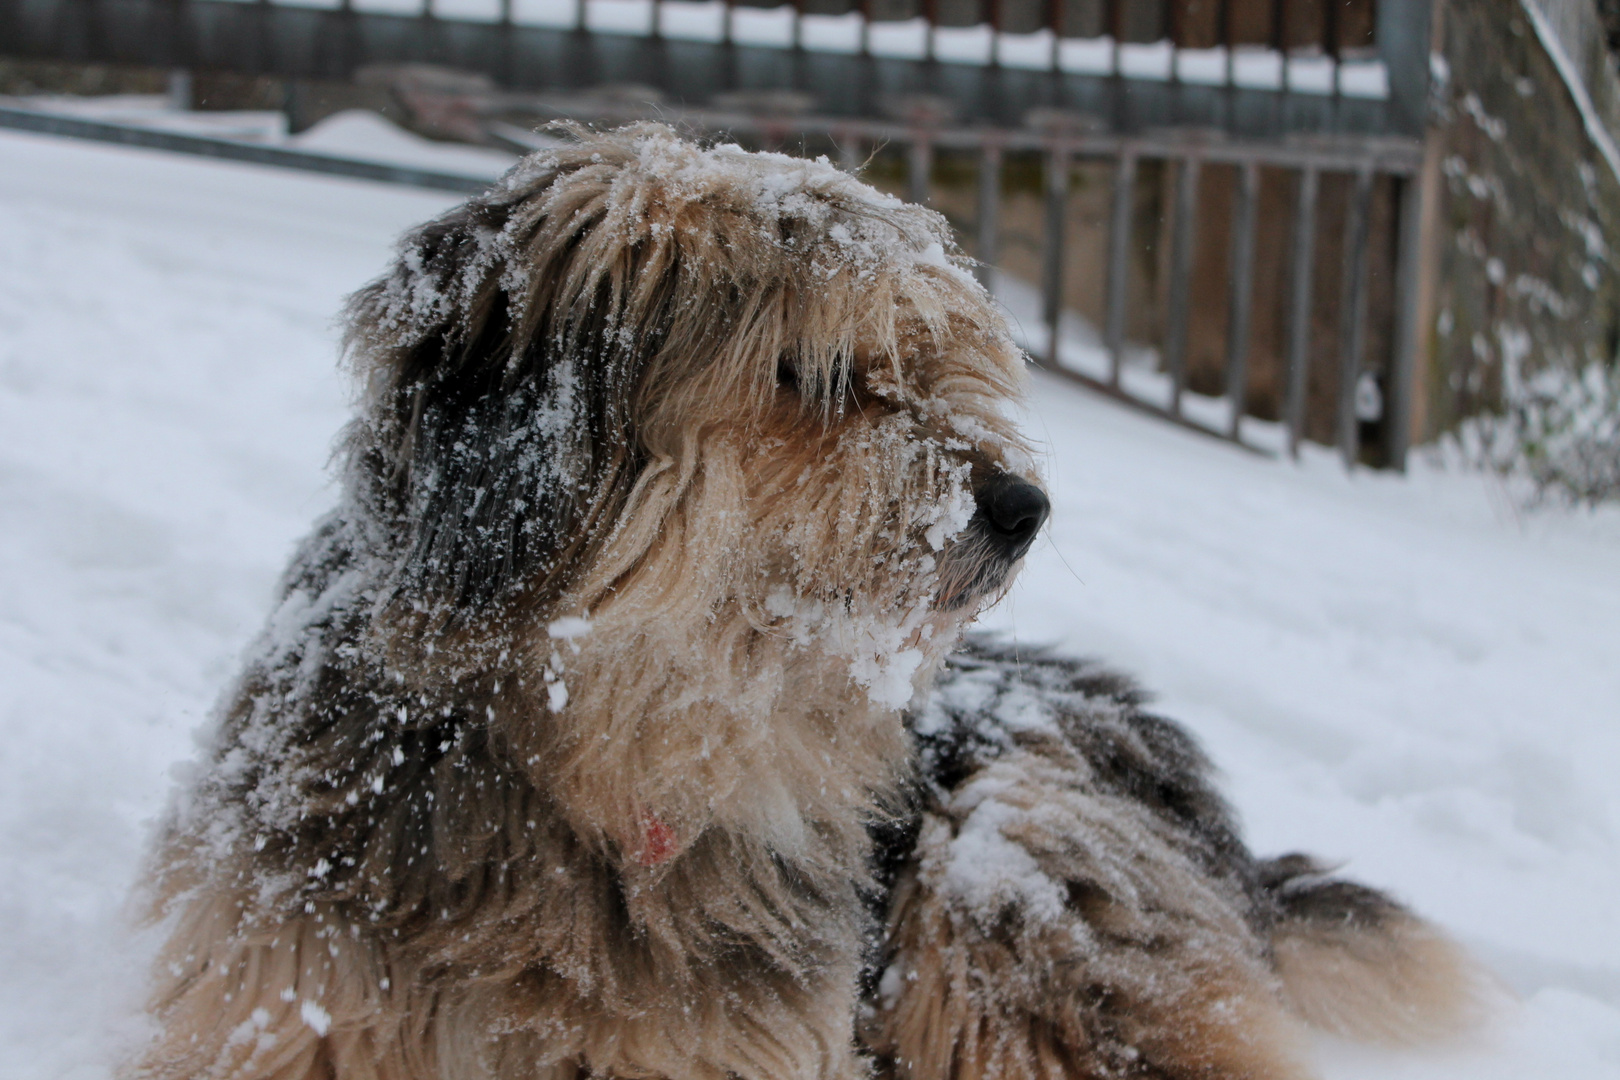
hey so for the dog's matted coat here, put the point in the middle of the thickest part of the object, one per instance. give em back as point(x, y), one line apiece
point(576, 744)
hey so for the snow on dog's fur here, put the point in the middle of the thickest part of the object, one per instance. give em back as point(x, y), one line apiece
point(575, 744)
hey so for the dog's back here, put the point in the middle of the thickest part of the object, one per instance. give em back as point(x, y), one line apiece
point(1072, 891)
point(676, 471)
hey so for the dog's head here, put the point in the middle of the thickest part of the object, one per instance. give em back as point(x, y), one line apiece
point(692, 392)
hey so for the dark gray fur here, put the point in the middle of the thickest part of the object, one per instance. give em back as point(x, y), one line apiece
point(1134, 753)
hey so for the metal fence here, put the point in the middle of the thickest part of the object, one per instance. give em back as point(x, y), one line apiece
point(1187, 158)
point(1204, 108)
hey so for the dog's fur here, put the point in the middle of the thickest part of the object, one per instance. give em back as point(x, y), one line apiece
point(575, 745)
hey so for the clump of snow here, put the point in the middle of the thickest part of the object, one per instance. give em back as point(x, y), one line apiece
point(369, 136)
point(887, 645)
point(569, 627)
point(315, 1016)
point(1559, 427)
point(986, 871)
point(556, 692)
point(883, 650)
point(951, 514)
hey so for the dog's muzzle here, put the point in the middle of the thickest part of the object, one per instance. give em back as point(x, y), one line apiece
point(1010, 512)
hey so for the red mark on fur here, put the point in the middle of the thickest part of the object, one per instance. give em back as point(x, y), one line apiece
point(658, 842)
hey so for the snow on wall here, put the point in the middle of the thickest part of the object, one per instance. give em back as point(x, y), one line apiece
point(1527, 315)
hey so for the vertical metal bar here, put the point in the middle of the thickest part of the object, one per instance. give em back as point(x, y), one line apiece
point(346, 46)
point(1225, 19)
point(1114, 14)
point(1119, 248)
point(1182, 238)
point(1057, 198)
point(727, 24)
point(989, 208)
point(1240, 298)
point(1054, 22)
point(1353, 312)
point(994, 18)
point(505, 31)
point(657, 29)
point(1330, 39)
point(919, 164)
point(797, 41)
point(1280, 33)
point(1299, 305)
point(1173, 22)
point(866, 26)
point(180, 92)
point(1403, 364)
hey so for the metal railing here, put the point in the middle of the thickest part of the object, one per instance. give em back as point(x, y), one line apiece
point(1186, 159)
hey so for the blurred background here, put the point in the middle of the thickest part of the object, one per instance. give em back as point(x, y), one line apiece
point(1360, 223)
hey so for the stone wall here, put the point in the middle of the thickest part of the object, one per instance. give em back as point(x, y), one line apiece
point(1526, 210)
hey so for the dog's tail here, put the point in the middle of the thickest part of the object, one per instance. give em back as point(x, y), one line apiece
point(1354, 962)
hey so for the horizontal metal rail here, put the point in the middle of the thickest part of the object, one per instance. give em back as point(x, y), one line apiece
point(230, 150)
point(1136, 404)
point(1390, 155)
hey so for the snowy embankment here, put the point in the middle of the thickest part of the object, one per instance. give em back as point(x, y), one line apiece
point(1401, 674)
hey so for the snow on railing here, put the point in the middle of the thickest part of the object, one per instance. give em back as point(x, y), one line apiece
point(1355, 73)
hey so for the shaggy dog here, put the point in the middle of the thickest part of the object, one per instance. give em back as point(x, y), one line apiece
point(576, 744)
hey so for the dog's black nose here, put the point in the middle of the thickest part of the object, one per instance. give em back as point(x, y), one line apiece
point(1014, 509)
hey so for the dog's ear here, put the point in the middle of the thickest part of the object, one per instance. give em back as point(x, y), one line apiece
point(496, 438)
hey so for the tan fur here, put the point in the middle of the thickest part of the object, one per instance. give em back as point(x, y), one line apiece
point(1403, 983)
point(1148, 970)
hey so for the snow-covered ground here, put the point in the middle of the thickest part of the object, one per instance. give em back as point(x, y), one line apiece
point(1407, 675)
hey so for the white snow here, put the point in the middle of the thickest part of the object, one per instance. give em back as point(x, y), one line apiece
point(1405, 674)
point(360, 133)
point(315, 1016)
